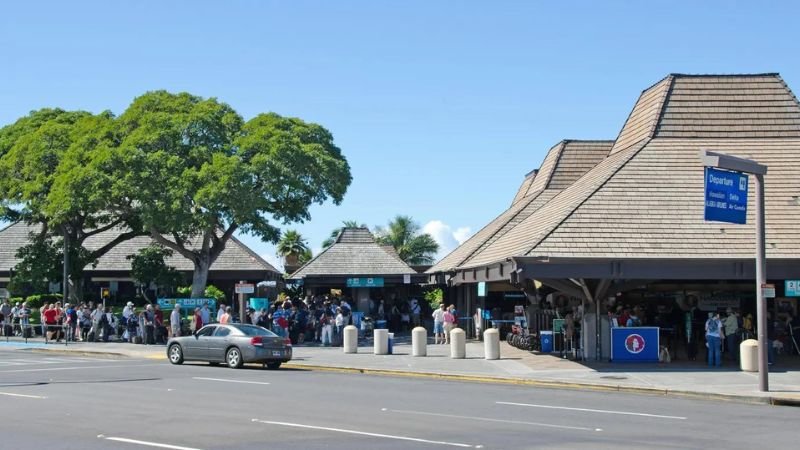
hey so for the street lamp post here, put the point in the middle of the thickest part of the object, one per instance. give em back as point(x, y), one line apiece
point(741, 165)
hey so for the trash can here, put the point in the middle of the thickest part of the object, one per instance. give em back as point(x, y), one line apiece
point(391, 342)
point(546, 340)
point(748, 355)
point(380, 324)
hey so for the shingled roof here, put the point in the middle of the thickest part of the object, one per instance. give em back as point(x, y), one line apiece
point(235, 257)
point(645, 200)
point(355, 252)
point(564, 163)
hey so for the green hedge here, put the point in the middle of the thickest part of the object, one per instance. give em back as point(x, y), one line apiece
point(38, 300)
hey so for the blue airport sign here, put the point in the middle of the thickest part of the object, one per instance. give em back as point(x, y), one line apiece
point(726, 196)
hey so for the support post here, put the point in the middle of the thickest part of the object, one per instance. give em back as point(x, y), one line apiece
point(761, 279)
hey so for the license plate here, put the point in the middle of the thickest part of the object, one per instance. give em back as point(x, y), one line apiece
point(276, 353)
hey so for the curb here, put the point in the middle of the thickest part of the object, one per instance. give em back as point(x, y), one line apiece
point(751, 399)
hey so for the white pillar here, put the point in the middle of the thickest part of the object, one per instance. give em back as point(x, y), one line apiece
point(491, 343)
point(419, 341)
point(458, 344)
point(350, 339)
point(381, 337)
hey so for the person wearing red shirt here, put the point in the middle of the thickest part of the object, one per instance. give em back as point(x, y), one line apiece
point(198, 319)
point(50, 316)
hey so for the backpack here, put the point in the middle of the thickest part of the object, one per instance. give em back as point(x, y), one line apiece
point(713, 326)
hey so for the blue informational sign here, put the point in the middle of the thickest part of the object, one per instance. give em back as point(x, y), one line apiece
point(635, 344)
point(726, 196)
point(258, 303)
point(365, 282)
point(187, 304)
point(792, 288)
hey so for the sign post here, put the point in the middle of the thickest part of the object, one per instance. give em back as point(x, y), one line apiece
point(724, 188)
point(243, 288)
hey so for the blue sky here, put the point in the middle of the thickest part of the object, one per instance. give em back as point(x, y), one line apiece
point(440, 107)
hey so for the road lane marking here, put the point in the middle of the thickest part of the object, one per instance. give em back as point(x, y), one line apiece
point(10, 394)
point(145, 443)
point(487, 419)
point(601, 411)
point(364, 433)
point(48, 369)
point(229, 381)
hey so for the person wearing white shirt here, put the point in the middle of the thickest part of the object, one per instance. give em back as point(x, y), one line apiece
point(438, 324)
point(175, 321)
point(220, 312)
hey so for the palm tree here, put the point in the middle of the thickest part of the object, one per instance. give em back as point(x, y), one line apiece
point(292, 247)
point(404, 235)
point(335, 232)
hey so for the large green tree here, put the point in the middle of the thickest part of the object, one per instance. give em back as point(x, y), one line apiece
point(47, 180)
point(404, 235)
point(198, 173)
point(335, 232)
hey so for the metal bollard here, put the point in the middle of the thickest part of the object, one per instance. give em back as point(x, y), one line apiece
point(491, 343)
point(458, 343)
point(381, 341)
point(350, 339)
point(419, 342)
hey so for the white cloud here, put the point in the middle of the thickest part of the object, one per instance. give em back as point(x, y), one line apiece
point(447, 238)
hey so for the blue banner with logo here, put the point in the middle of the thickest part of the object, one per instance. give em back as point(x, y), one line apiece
point(187, 303)
point(635, 344)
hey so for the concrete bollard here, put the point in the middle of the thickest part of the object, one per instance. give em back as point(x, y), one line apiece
point(419, 342)
point(748, 355)
point(350, 339)
point(381, 341)
point(491, 343)
point(458, 343)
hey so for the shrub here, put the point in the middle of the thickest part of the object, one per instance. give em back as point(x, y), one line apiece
point(38, 300)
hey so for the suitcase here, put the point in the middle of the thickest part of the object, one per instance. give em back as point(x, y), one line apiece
point(8, 330)
point(27, 333)
point(137, 339)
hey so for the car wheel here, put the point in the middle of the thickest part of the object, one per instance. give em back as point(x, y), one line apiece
point(175, 354)
point(273, 365)
point(234, 358)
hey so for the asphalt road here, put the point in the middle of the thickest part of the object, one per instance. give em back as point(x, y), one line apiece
point(66, 402)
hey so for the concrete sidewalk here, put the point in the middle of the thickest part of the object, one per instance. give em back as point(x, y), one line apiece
point(515, 367)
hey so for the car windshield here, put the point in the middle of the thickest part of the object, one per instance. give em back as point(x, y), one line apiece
point(252, 330)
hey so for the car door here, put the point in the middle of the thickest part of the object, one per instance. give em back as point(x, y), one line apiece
point(218, 343)
point(197, 345)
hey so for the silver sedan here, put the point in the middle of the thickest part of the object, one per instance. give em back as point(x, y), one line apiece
point(232, 344)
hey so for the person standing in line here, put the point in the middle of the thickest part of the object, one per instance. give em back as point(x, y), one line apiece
point(714, 339)
point(205, 314)
point(772, 334)
point(127, 312)
point(49, 318)
point(97, 316)
point(226, 318)
point(5, 311)
point(731, 325)
point(339, 321)
point(326, 330)
point(416, 309)
point(198, 319)
point(175, 321)
point(438, 325)
point(158, 322)
point(449, 322)
point(220, 312)
point(149, 325)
